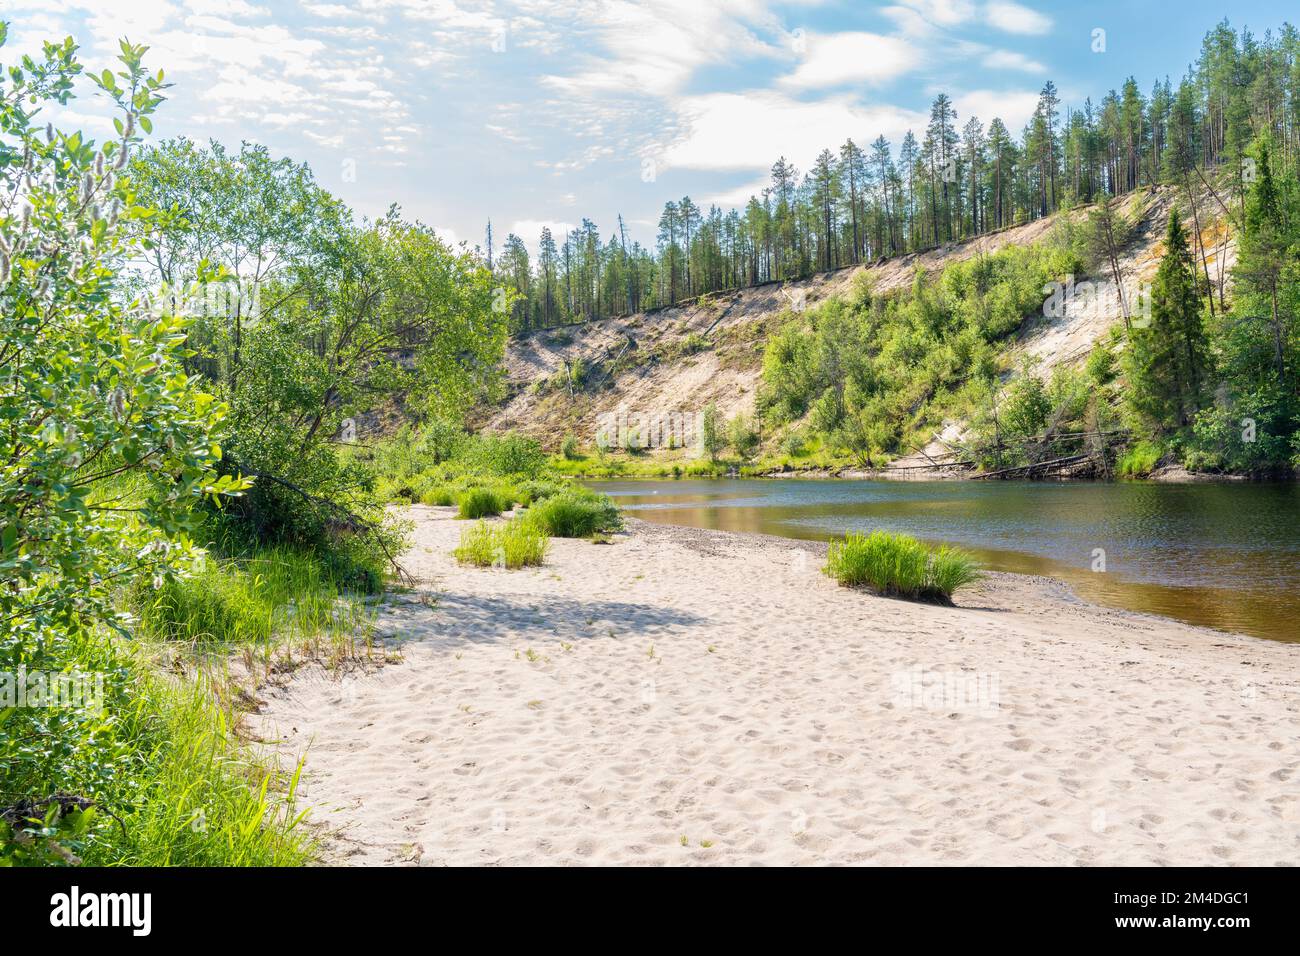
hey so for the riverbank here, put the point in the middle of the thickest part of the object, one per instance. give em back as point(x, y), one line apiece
point(648, 468)
point(694, 697)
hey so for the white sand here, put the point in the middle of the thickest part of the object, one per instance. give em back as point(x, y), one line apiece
point(776, 719)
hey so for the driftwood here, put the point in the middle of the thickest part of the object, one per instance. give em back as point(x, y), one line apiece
point(31, 809)
point(1027, 471)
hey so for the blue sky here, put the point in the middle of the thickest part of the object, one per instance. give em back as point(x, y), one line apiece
point(546, 111)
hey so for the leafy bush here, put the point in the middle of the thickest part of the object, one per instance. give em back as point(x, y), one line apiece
point(1253, 433)
point(505, 455)
point(573, 516)
point(569, 447)
point(515, 544)
point(743, 435)
point(532, 491)
point(793, 443)
point(94, 398)
point(896, 564)
point(712, 439)
point(442, 440)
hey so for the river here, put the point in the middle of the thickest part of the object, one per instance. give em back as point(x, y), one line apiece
point(1222, 555)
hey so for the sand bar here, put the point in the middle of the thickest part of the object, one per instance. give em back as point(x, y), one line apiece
point(716, 687)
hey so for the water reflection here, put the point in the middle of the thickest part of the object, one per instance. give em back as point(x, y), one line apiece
point(1222, 555)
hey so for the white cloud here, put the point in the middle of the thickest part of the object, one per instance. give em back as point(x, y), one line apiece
point(227, 8)
point(1014, 108)
point(738, 196)
point(736, 131)
point(944, 13)
point(1008, 60)
point(841, 58)
point(530, 231)
point(655, 46)
point(509, 134)
point(909, 22)
point(331, 11)
point(1015, 18)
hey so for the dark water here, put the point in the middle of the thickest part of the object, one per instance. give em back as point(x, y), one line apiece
point(1221, 555)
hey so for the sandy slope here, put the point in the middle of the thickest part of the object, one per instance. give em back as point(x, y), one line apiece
point(717, 687)
point(726, 374)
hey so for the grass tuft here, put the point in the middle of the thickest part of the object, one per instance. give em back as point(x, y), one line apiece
point(514, 544)
point(480, 503)
point(896, 564)
point(572, 516)
point(1139, 460)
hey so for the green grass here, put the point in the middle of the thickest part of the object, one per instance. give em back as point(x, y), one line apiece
point(440, 495)
point(572, 515)
point(533, 491)
point(278, 591)
point(513, 544)
point(202, 799)
point(480, 503)
point(170, 779)
point(1139, 460)
point(898, 565)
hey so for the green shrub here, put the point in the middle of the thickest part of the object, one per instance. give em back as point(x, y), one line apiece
point(514, 544)
point(162, 758)
point(479, 503)
point(571, 515)
point(712, 439)
point(442, 440)
point(896, 564)
point(569, 447)
point(531, 492)
point(951, 569)
point(743, 435)
point(508, 454)
point(793, 443)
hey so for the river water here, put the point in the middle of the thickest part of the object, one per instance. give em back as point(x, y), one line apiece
point(1221, 555)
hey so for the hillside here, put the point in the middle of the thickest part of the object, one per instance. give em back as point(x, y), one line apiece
point(681, 358)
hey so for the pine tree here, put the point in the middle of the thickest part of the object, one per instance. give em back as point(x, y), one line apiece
point(1167, 354)
point(1266, 251)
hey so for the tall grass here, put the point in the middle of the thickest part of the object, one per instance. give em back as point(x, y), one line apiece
point(277, 591)
point(895, 564)
point(202, 798)
point(167, 779)
point(513, 544)
point(440, 495)
point(1139, 460)
point(480, 503)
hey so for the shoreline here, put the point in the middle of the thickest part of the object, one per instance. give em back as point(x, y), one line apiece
point(1168, 475)
point(715, 686)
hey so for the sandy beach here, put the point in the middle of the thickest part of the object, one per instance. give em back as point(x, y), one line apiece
point(695, 697)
